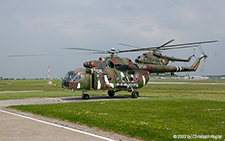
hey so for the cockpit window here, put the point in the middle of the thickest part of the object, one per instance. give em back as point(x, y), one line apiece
point(142, 58)
point(80, 77)
point(74, 78)
point(69, 75)
point(111, 64)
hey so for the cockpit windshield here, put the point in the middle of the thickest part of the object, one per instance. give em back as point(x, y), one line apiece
point(69, 75)
point(73, 76)
point(141, 58)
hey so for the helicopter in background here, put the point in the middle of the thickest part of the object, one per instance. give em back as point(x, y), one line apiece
point(115, 74)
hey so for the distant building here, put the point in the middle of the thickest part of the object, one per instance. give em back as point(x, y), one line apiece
point(1, 78)
point(195, 77)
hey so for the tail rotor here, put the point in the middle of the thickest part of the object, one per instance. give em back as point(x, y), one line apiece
point(204, 55)
point(194, 50)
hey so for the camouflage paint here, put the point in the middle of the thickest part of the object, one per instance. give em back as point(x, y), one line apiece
point(115, 73)
point(108, 73)
point(158, 59)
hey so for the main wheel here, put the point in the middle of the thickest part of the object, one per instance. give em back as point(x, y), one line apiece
point(134, 94)
point(85, 96)
point(111, 93)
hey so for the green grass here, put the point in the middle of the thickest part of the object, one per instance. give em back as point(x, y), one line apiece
point(148, 119)
point(169, 110)
point(201, 92)
point(19, 85)
point(40, 85)
point(152, 79)
point(205, 92)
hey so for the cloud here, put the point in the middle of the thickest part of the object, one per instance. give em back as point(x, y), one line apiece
point(29, 27)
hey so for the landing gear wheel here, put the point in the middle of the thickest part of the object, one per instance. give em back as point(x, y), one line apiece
point(85, 96)
point(134, 94)
point(111, 93)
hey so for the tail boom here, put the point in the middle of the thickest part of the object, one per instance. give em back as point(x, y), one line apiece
point(163, 68)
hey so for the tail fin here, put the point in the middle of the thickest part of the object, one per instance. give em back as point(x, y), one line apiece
point(188, 60)
point(197, 62)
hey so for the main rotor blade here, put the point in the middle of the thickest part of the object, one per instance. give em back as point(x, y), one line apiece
point(101, 52)
point(167, 43)
point(86, 49)
point(27, 55)
point(140, 49)
point(190, 46)
point(197, 43)
point(176, 46)
point(129, 45)
point(33, 55)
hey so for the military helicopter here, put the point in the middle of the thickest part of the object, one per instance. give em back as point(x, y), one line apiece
point(115, 74)
point(156, 57)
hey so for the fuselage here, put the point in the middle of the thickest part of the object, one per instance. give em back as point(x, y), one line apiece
point(106, 73)
point(158, 59)
point(115, 73)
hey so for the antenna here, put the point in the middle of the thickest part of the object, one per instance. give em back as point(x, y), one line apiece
point(49, 82)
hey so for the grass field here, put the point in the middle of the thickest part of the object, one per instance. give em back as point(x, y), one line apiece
point(152, 79)
point(149, 90)
point(148, 119)
point(170, 110)
point(40, 85)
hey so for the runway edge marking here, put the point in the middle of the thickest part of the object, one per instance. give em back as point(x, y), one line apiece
point(48, 123)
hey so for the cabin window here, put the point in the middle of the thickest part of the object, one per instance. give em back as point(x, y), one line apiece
point(121, 67)
point(118, 66)
point(111, 64)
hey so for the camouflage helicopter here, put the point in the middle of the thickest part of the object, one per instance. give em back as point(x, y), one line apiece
point(115, 74)
point(157, 58)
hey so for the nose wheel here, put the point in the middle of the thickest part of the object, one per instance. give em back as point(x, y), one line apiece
point(85, 96)
point(111, 93)
point(134, 94)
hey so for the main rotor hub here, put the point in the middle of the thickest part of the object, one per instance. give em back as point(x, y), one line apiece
point(113, 52)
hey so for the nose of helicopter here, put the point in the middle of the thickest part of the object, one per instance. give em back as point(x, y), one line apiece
point(65, 83)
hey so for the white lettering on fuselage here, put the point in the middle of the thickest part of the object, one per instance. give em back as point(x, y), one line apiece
point(107, 82)
point(127, 84)
point(100, 71)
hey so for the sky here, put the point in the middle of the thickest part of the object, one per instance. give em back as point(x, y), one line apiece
point(46, 27)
